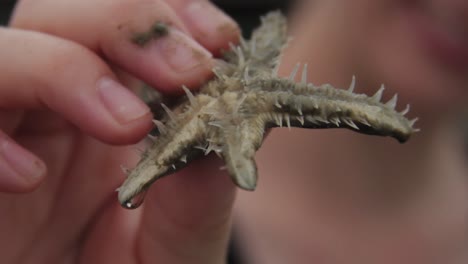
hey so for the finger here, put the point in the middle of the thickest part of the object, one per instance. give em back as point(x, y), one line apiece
point(111, 237)
point(38, 70)
point(20, 170)
point(145, 38)
point(187, 216)
point(210, 26)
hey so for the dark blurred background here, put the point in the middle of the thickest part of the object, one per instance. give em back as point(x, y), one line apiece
point(6, 6)
point(247, 13)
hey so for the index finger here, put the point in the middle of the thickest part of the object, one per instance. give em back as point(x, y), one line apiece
point(146, 38)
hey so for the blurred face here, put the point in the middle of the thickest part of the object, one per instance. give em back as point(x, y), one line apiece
point(418, 48)
point(422, 47)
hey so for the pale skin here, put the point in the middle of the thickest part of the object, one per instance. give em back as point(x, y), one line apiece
point(387, 207)
point(66, 122)
point(333, 197)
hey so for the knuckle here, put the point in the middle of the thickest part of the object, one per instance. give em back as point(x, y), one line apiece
point(67, 64)
point(65, 56)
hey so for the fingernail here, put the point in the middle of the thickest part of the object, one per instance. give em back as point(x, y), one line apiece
point(209, 20)
point(21, 161)
point(121, 103)
point(181, 52)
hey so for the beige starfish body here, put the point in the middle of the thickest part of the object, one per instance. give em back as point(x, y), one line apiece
point(230, 114)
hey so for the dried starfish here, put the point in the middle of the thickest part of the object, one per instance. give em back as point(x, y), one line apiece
point(230, 114)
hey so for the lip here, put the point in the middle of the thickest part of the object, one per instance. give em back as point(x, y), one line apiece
point(441, 45)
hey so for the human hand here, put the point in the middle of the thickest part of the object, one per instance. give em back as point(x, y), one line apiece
point(60, 99)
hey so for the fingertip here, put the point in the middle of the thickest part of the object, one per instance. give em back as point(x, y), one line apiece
point(192, 79)
point(163, 61)
point(20, 170)
point(131, 117)
point(110, 112)
point(128, 133)
point(209, 25)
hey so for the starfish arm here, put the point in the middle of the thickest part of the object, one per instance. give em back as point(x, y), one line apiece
point(138, 180)
point(310, 106)
point(261, 54)
point(241, 141)
point(177, 145)
point(265, 45)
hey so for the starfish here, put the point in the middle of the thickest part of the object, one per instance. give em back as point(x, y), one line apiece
point(230, 113)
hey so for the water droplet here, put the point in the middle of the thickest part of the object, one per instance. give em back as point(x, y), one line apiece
point(135, 202)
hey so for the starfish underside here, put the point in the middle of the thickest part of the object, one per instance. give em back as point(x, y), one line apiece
point(230, 114)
